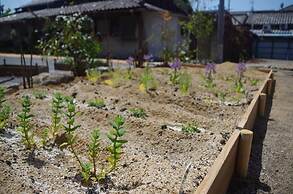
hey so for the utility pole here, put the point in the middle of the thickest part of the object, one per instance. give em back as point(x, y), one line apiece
point(220, 31)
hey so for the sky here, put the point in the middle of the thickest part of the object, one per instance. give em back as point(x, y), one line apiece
point(236, 5)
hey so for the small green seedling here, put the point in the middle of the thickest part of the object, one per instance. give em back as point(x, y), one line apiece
point(115, 136)
point(184, 82)
point(93, 148)
point(138, 113)
point(70, 128)
point(93, 75)
point(97, 103)
point(86, 172)
point(191, 127)
point(254, 82)
point(5, 110)
point(239, 87)
point(222, 96)
point(40, 94)
point(24, 123)
point(147, 80)
point(57, 106)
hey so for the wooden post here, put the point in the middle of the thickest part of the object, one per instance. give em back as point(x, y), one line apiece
point(270, 87)
point(262, 104)
point(244, 149)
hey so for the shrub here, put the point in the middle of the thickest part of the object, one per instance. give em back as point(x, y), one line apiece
point(70, 37)
point(138, 113)
point(97, 103)
point(184, 82)
point(25, 125)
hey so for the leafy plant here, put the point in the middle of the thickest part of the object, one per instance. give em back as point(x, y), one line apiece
point(97, 103)
point(191, 127)
point(115, 136)
point(5, 110)
point(24, 123)
point(184, 82)
point(93, 148)
point(138, 113)
point(93, 75)
point(40, 94)
point(175, 75)
point(147, 80)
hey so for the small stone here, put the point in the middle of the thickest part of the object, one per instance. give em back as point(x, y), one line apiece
point(222, 141)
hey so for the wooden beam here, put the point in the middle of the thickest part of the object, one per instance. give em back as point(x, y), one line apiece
point(219, 175)
point(244, 149)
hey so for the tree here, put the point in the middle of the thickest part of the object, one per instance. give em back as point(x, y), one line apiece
point(200, 25)
point(70, 37)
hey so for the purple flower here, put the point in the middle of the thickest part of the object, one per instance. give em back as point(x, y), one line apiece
point(148, 57)
point(176, 64)
point(240, 69)
point(130, 60)
point(210, 68)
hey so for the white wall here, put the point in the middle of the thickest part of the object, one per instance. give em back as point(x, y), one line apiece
point(153, 25)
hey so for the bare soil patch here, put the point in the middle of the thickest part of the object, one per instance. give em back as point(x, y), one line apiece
point(155, 158)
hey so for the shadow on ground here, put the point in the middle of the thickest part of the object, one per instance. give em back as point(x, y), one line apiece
point(252, 183)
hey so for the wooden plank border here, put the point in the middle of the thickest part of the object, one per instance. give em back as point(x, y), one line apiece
point(221, 172)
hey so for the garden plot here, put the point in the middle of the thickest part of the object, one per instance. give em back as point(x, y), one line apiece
point(156, 156)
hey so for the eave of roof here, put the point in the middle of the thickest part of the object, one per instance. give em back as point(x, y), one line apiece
point(273, 33)
point(99, 6)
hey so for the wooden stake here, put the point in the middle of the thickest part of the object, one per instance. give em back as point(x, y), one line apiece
point(270, 87)
point(244, 149)
point(262, 104)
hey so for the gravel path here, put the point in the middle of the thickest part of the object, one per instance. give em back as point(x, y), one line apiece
point(271, 165)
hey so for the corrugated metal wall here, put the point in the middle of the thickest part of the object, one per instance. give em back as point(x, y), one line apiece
point(274, 48)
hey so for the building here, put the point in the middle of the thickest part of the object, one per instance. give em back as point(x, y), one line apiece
point(125, 27)
point(273, 32)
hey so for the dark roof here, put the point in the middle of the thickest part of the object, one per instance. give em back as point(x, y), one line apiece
point(91, 7)
point(271, 17)
point(80, 8)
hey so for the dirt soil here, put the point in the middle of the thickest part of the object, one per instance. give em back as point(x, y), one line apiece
point(271, 164)
point(154, 159)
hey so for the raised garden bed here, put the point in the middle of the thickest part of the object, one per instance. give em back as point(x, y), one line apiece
point(155, 157)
